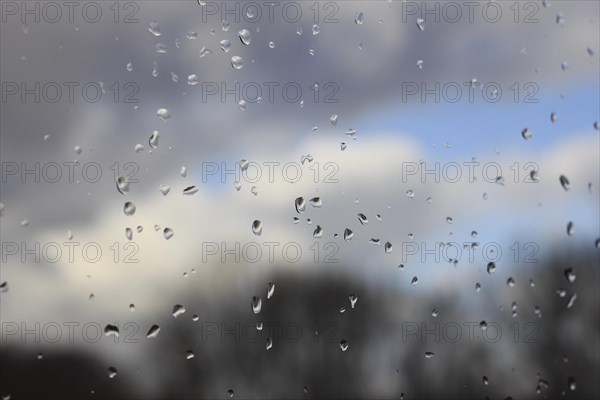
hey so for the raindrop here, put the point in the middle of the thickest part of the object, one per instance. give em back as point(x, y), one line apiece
point(560, 18)
point(434, 313)
point(225, 25)
point(230, 393)
point(299, 31)
point(429, 354)
point(474, 234)
point(359, 18)
point(421, 24)
point(129, 67)
point(163, 114)
point(128, 233)
point(353, 299)
point(342, 146)
point(237, 62)
point(189, 355)
point(153, 141)
point(154, 69)
point(348, 234)
point(388, 247)
point(526, 133)
point(485, 380)
point(168, 233)
point(491, 267)
point(4, 287)
point(318, 232)
point(570, 229)
point(477, 287)
point(164, 189)
point(315, 202)
point(572, 384)
point(132, 307)
point(111, 330)
point(271, 45)
point(414, 281)
point(154, 28)
point(564, 66)
point(77, 149)
point(237, 185)
point(352, 133)
point(204, 51)
point(242, 104)
point(410, 194)
point(225, 45)
point(333, 119)
point(269, 343)
point(129, 208)
point(315, 29)
point(362, 219)
point(190, 190)
point(553, 117)
point(259, 326)
point(570, 275)
point(270, 290)
point(161, 48)
point(449, 220)
point(257, 227)
point(344, 345)
point(572, 300)
point(178, 309)
point(112, 372)
point(483, 325)
point(256, 304)
point(420, 64)
point(306, 158)
point(244, 35)
point(122, 185)
point(300, 205)
point(183, 171)
point(254, 190)
point(564, 182)
point(192, 79)
point(153, 332)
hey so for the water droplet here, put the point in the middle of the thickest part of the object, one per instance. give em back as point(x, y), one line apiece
point(344, 345)
point(414, 281)
point(153, 141)
point(77, 149)
point(189, 355)
point(192, 35)
point(168, 233)
point(352, 133)
point(306, 158)
point(362, 219)
point(122, 185)
point(570, 229)
point(178, 309)
point(353, 299)
point(204, 51)
point(138, 148)
point(560, 18)
point(564, 66)
point(244, 35)
point(174, 77)
point(315, 29)
point(572, 383)
point(190, 190)
point(333, 119)
point(388, 247)
point(300, 205)
point(111, 330)
point(570, 275)
point(225, 25)
point(230, 393)
point(4, 287)
point(257, 227)
point(410, 194)
point(429, 354)
point(154, 28)
point(256, 304)
point(271, 45)
point(553, 117)
point(192, 79)
point(237, 185)
point(237, 62)
point(510, 282)
point(269, 343)
point(348, 234)
point(242, 104)
point(160, 48)
point(420, 64)
point(112, 372)
point(421, 24)
point(526, 133)
point(318, 232)
point(434, 313)
point(564, 182)
point(259, 326)
point(153, 332)
point(299, 31)
point(128, 233)
point(183, 171)
point(164, 189)
point(163, 114)
point(270, 290)
point(342, 146)
point(491, 267)
point(129, 67)
point(572, 300)
point(449, 220)
point(483, 325)
point(129, 208)
point(315, 202)
point(154, 69)
point(254, 190)
point(485, 380)
point(359, 18)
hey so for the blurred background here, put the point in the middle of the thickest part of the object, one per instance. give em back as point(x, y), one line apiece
point(300, 199)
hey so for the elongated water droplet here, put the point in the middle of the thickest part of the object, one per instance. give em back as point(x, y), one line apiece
point(318, 232)
point(353, 299)
point(414, 281)
point(154, 69)
point(570, 229)
point(237, 62)
point(564, 182)
point(553, 117)
point(189, 355)
point(388, 247)
point(129, 208)
point(333, 119)
point(269, 343)
point(257, 227)
point(429, 354)
point(256, 304)
point(190, 190)
point(485, 380)
point(305, 159)
point(178, 309)
point(164, 189)
point(225, 45)
point(154, 28)
point(270, 290)
point(300, 205)
point(421, 24)
point(362, 218)
point(572, 300)
point(359, 18)
point(128, 233)
point(153, 332)
point(244, 35)
point(122, 185)
point(153, 141)
point(344, 345)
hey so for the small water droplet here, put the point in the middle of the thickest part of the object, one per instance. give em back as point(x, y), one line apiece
point(269, 343)
point(359, 18)
point(315, 29)
point(572, 383)
point(299, 31)
point(315, 202)
point(129, 208)
point(429, 354)
point(333, 119)
point(163, 114)
point(257, 227)
point(189, 355)
point(410, 194)
point(421, 24)
point(244, 35)
point(449, 220)
point(362, 219)
point(564, 182)
point(154, 28)
point(128, 233)
point(204, 51)
point(553, 117)
point(256, 304)
point(190, 190)
point(570, 275)
point(344, 345)
point(160, 48)
point(572, 300)
point(510, 282)
point(168, 233)
point(192, 79)
point(483, 325)
point(485, 380)
point(491, 267)
point(153, 332)
point(318, 232)
point(348, 234)
point(388, 247)
point(570, 229)
point(414, 280)
point(164, 189)
point(353, 299)
point(526, 133)
point(153, 141)
point(237, 62)
point(230, 393)
point(270, 290)
point(112, 372)
point(178, 309)
point(300, 205)
point(271, 45)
